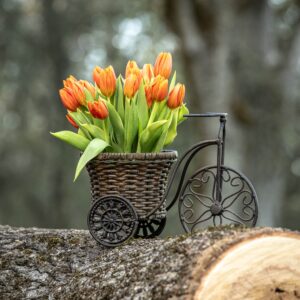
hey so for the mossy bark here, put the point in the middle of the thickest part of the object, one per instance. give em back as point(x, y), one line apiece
point(68, 264)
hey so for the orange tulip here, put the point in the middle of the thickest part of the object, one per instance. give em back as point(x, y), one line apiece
point(148, 93)
point(131, 85)
point(131, 68)
point(159, 88)
point(105, 80)
point(98, 109)
point(71, 120)
point(68, 99)
point(77, 89)
point(89, 87)
point(78, 92)
point(69, 81)
point(147, 72)
point(163, 65)
point(176, 96)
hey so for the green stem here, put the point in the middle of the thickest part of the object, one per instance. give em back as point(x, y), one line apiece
point(106, 129)
point(153, 113)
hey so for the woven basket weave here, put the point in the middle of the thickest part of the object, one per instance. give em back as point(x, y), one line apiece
point(139, 177)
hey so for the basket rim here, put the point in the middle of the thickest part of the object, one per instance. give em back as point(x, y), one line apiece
point(163, 155)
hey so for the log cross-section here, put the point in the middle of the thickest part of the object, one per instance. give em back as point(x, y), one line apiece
point(221, 263)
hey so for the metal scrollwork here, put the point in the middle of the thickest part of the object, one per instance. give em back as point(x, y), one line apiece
point(200, 205)
point(112, 220)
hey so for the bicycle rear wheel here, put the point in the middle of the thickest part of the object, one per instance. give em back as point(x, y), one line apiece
point(198, 205)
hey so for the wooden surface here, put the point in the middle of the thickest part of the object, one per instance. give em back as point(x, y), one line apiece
point(265, 267)
point(223, 263)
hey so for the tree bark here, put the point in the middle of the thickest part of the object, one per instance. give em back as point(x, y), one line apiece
point(220, 263)
point(239, 59)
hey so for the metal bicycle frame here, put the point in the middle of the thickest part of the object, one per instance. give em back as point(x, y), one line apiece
point(190, 153)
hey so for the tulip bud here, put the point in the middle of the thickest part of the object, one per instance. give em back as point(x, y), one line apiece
point(89, 87)
point(98, 109)
point(68, 99)
point(78, 92)
point(71, 121)
point(69, 81)
point(148, 93)
point(163, 65)
point(131, 68)
point(76, 88)
point(147, 72)
point(159, 88)
point(131, 85)
point(105, 80)
point(176, 96)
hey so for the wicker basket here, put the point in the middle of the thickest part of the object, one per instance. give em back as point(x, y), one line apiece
point(139, 177)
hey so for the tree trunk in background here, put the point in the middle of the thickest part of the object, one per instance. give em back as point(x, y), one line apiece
point(236, 57)
point(59, 61)
point(67, 264)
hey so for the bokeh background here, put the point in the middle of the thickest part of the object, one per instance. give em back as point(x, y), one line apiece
point(238, 56)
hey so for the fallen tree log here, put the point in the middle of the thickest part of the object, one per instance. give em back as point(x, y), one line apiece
point(222, 263)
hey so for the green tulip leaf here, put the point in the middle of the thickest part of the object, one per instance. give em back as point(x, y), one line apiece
point(183, 110)
point(173, 81)
point(119, 98)
point(88, 95)
point(95, 131)
point(159, 145)
point(131, 124)
point(142, 108)
point(172, 131)
point(150, 135)
point(117, 124)
point(80, 132)
point(156, 113)
point(95, 147)
point(116, 148)
point(76, 140)
point(80, 118)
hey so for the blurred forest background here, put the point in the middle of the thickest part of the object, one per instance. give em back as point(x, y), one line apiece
point(238, 56)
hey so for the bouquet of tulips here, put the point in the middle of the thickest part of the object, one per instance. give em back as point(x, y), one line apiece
point(137, 114)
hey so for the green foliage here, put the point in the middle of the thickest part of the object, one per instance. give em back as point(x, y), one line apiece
point(95, 147)
point(76, 140)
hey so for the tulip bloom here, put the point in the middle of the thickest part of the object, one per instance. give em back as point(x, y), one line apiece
point(148, 93)
point(71, 121)
point(147, 72)
point(176, 96)
point(78, 92)
point(159, 88)
point(68, 99)
point(89, 87)
point(163, 65)
point(98, 109)
point(76, 88)
point(131, 85)
point(69, 81)
point(132, 68)
point(106, 80)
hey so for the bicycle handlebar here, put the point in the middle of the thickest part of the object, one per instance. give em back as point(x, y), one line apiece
point(208, 114)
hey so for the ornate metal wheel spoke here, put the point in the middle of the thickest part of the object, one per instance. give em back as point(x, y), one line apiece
point(150, 228)
point(199, 204)
point(112, 220)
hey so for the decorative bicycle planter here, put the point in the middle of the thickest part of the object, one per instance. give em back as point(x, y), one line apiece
point(122, 126)
point(129, 198)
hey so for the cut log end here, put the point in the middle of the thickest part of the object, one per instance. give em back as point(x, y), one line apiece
point(264, 267)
